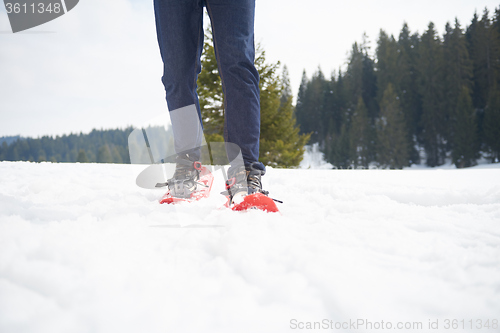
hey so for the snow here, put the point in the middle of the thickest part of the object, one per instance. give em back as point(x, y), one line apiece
point(83, 249)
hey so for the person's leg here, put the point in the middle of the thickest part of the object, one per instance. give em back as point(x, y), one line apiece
point(179, 26)
point(233, 32)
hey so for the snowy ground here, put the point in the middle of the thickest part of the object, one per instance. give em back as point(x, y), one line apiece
point(83, 249)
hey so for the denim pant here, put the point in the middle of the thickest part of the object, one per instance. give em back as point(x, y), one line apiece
point(179, 25)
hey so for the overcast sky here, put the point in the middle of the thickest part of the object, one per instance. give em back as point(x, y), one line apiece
point(99, 66)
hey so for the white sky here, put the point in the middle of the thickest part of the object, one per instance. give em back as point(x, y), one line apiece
point(99, 66)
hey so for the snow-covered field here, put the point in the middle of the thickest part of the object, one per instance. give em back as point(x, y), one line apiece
point(83, 249)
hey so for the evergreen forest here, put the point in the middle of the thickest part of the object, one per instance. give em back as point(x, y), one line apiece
point(101, 146)
point(414, 99)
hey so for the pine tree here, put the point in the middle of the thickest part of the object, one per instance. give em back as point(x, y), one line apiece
point(28, 149)
point(331, 116)
point(458, 105)
point(360, 78)
point(115, 155)
point(354, 75)
point(42, 157)
point(73, 154)
point(14, 154)
point(407, 88)
point(484, 51)
point(359, 135)
point(103, 155)
point(392, 149)
point(286, 89)
point(311, 107)
point(4, 148)
point(330, 110)
point(387, 63)
point(492, 124)
point(82, 157)
point(92, 157)
point(495, 36)
point(369, 90)
point(334, 105)
point(464, 128)
point(361, 82)
point(280, 142)
point(302, 104)
point(336, 148)
point(430, 87)
point(341, 145)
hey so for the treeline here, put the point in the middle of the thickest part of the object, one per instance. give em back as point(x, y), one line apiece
point(426, 95)
point(9, 139)
point(101, 146)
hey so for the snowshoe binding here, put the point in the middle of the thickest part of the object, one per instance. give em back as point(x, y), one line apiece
point(191, 181)
point(244, 190)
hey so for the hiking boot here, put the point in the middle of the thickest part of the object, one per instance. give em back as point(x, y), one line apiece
point(254, 181)
point(185, 179)
point(243, 181)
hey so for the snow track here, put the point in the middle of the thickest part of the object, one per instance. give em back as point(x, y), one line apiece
point(83, 249)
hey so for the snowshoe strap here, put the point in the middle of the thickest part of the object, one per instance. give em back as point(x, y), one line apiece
point(184, 184)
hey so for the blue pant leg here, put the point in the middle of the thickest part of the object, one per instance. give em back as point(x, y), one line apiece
point(179, 25)
point(233, 32)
